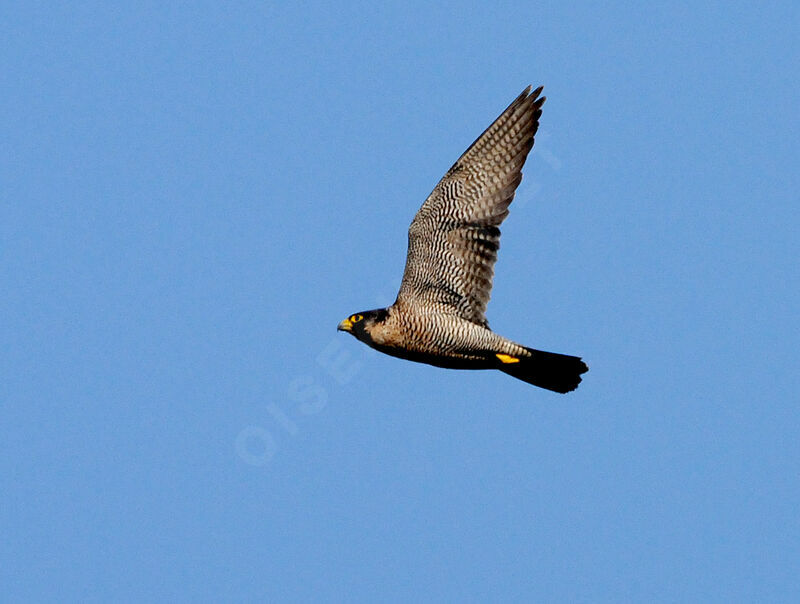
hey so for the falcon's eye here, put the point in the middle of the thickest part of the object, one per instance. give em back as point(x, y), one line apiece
point(356, 318)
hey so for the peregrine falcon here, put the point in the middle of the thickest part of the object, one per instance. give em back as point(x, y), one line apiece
point(438, 316)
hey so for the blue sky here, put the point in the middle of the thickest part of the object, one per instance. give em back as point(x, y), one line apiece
point(194, 196)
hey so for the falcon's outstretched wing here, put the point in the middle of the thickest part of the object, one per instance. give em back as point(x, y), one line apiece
point(454, 238)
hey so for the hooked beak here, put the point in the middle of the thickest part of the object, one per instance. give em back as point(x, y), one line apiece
point(346, 325)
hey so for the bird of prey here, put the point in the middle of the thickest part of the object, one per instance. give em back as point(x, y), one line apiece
point(438, 316)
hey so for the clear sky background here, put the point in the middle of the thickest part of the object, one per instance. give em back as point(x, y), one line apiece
point(192, 196)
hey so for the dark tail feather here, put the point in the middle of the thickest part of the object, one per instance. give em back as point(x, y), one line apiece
point(556, 372)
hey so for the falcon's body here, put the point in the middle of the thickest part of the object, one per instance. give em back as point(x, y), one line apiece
point(438, 317)
point(438, 338)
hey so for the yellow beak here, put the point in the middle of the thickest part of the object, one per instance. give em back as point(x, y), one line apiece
point(346, 325)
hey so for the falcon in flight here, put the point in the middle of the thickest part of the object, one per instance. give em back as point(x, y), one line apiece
point(438, 317)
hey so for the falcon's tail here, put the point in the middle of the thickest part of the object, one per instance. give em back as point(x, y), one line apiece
point(556, 372)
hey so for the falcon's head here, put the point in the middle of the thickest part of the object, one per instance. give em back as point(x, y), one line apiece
point(360, 324)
